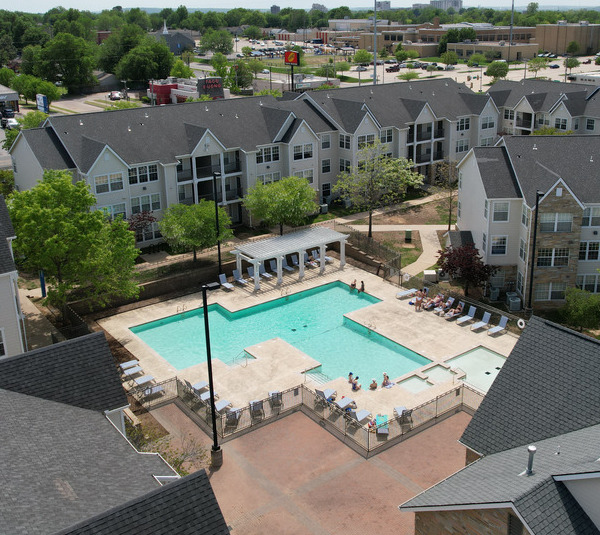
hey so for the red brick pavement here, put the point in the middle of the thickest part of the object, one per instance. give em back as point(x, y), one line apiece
point(292, 477)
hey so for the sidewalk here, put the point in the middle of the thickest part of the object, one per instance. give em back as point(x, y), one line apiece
point(38, 330)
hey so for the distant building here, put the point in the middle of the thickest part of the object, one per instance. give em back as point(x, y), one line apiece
point(441, 4)
point(555, 38)
point(177, 42)
point(384, 6)
point(319, 7)
point(275, 10)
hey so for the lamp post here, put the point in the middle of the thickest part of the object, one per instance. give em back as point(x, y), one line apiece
point(215, 175)
point(481, 78)
point(538, 194)
point(216, 453)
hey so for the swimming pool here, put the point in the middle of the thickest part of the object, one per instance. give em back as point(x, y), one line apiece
point(481, 366)
point(312, 321)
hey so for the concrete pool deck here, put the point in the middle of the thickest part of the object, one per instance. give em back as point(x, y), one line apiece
point(279, 366)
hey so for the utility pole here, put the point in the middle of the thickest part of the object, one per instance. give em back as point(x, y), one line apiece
point(375, 44)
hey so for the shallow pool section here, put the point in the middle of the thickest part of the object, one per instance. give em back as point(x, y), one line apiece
point(481, 366)
point(312, 321)
point(439, 374)
point(415, 384)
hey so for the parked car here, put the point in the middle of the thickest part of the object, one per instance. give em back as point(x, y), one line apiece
point(11, 124)
point(393, 68)
point(8, 113)
point(587, 62)
point(239, 55)
point(360, 68)
point(554, 66)
point(115, 95)
point(391, 61)
point(266, 71)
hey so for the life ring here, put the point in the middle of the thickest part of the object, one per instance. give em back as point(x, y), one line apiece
point(521, 323)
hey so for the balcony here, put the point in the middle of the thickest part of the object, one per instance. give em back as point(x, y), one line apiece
point(439, 132)
point(523, 123)
point(207, 170)
point(186, 200)
point(230, 195)
point(438, 155)
point(424, 158)
point(183, 176)
point(232, 167)
point(424, 135)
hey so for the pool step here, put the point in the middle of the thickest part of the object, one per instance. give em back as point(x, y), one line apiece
point(319, 377)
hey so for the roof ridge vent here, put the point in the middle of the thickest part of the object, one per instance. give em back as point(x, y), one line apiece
point(205, 108)
point(80, 122)
point(592, 158)
point(534, 146)
point(529, 470)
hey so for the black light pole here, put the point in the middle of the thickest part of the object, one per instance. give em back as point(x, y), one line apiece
point(538, 194)
point(216, 453)
point(215, 175)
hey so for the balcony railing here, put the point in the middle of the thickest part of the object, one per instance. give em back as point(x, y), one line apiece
point(439, 132)
point(186, 200)
point(524, 123)
point(422, 158)
point(423, 136)
point(438, 155)
point(232, 167)
point(184, 175)
point(207, 170)
point(230, 195)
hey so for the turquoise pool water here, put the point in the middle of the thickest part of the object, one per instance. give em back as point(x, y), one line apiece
point(312, 321)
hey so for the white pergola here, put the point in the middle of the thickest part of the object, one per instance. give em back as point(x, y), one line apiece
point(258, 252)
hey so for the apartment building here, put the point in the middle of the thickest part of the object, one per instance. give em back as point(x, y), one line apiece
point(12, 331)
point(528, 105)
point(499, 189)
point(149, 158)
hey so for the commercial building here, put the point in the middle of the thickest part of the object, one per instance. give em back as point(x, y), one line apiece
point(556, 38)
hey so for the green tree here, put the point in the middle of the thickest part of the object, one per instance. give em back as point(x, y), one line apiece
point(342, 66)
point(69, 60)
point(377, 180)
point(9, 138)
point(384, 53)
point(7, 50)
point(449, 58)
point(551, 131)
point(255, 65)
point(431, 69)
point(408, 76)
point(138, 17)
point(7, 182)
point(181, 70)
point(217, 41)
point(537, 64)
point(571, 63)
point(572, 48)
point(445, 178)
point(327, 70)
point(273, 92)
point(246, 50)
point(253, 32)
point(597, 61)
point(582, 309)
point(401, 55)
point(192, 227)
point(412, 54)
point(149, 60)
point(254, 18)
point(532, 8)
point(288, 201)
point(497, 70)
point(465, 264)
point(118, 45)
point(77, 247)
point(52, 92)
point(239, 75)
point(476, 59)
point(7, 76)
point(33, 119)
point(220, 63)
point(363, 57)
point(25, 85)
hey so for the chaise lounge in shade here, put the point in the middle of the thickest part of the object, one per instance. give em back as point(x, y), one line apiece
point(358, 417)
point(500, 327)
point(285, 265)
point(237, 277)
point(224, 283)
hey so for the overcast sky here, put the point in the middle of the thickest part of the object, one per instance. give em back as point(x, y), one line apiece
point(41, 6)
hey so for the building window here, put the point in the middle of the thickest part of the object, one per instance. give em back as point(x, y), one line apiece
point(487, 122)
point(462, 145)
point(589, 283)
point(591, 217)
point(344, 165)
point(523, 250)
point(509, 115)
point(590, 124)
point(325, 141)
point(115, 211)
point(550, 291)
point(560, 124)
point(500, 211)
point(151, 232)
point(525, 216)
point(326, 189)
point(2, 347)
point(485, 209)
point(387, 135)
point(365, 141)
point(463, 124)
point(556, 222)
point(143, 173)
point(106, 183)
point(344, 141)
point(499, 245)
point(520, 282)
point(326, 166)
point(267, 154)
point(306, 173)
point(267, 178)
point(145, 203)
point(484, 243)
point(553, 257)
point(303, 152)
point(487, 141)
point(588, 250)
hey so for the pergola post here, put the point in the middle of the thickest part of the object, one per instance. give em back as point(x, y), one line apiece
point(322, 257)
point(301, 264)
point(279, 270)
point(256, 265)
point(238, 263)
point(342, 253)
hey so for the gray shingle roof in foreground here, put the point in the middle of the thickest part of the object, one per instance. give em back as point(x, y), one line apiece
point(48, 149)
point(549, 385)
point(61, 464)
point(79, 372)
point(185, 507)
point(545, 504)
point(496, 173)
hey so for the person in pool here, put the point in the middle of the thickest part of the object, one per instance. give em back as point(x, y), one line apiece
point(350, 377)
point(355, 385)
point(353, 285)
point(373, 385)
point(386, 380)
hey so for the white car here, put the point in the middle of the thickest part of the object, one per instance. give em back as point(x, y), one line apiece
point(11, 124)
point(266, 71)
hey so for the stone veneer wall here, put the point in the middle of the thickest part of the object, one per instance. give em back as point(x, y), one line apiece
point(473, 521)
point(553, 240)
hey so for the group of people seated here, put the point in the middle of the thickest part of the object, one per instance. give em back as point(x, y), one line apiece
point(386, 383)
point(446, 306)
point(362, 286)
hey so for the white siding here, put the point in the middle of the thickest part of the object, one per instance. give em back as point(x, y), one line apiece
point(587, 494)
point(471, 196)
point(28, 170)
point(10, 315)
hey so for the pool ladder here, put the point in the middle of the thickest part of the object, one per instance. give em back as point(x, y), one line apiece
point(181, 308)
point(244, 356)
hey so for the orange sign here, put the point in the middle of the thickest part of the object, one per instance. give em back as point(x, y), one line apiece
point(291, 57)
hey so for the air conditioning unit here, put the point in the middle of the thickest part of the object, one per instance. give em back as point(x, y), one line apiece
point(443, 275)
point(514, 304)
point(510, 295)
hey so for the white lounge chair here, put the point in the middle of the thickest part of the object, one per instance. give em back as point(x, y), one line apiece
point(238, 278)
point(257, 410)
point(344, 403)
point(200, 385)
point(406, 293)
point(129, 364)
point(224, 283)
point(500, 327)
point(155, 390)
point(450, 316)
point(317, 256)
point(285, 265)
point(359, 416)
point(143, 380)
point(276, 399)
point(483, 323)
point(233, 417)
point(469, 316)
point(129, 372)
point(222, 404)
point(295, 261)
point(325, 394)
point(264, 273)
point(205, 396)
point(251, 272)
point(399, 411)
point(308, 262)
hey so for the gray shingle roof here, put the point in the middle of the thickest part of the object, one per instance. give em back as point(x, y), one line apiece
point(79, 372)
point(185, 507)
point(496, 172)
point(538, 162)
point(545, 504)
point(7, 264)
point(458, 238)
point(47, 148)
point(62, 464)
point(549, 385)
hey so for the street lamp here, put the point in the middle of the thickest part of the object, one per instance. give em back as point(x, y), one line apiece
point(481, 78)
point(538, 194)
point(216, 453)
point(215, 175)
